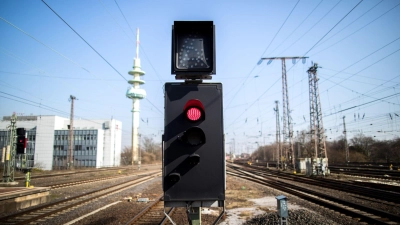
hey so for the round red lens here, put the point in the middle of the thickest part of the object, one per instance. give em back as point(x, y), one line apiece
point(193, 114)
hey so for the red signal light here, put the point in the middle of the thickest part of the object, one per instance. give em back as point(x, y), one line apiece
point(194, 110)
point(193, 114)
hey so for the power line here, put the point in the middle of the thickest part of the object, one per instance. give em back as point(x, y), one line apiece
point(363, 104)
point(316, 42)
point(84, 40)
point(141, 47)
point(264, 52)
point(358, 92)
point(59, 77)
point(276, 34)
point(40, 105)
point(333, 27)
point(287, 37)
point(366, 67)
point(94, 49)
point(373, 7)
point(312, 27)
point(357, 30)
point(37, 40)
point(365, 58)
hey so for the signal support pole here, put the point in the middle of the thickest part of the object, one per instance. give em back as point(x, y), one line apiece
point(287, 119)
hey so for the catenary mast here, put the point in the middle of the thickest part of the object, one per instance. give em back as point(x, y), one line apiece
point(287, 131)
point(136, 93)
point(316, 123)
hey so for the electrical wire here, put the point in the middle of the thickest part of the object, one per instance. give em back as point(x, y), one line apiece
point(301, 23)
point(251, 71)
point(357, 30)
point(37, 40)
point(85, 41)
point(333, 27)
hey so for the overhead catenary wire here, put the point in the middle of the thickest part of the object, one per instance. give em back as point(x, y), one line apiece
point(276, 34)
point(85, 41)
point(380, 16)
point(37, 40)
point(39, 105)
point(310, 48)
point(365, 67)
point(333, 27)
point(94, 50)
point(339, 31)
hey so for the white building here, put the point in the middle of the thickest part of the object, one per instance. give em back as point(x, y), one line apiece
point(97, 143)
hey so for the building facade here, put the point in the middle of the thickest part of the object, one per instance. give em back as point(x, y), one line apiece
point(97, 143)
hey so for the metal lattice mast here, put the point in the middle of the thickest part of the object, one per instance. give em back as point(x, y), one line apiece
point(278, 134)
point(287, 119)
point(345, 140)
point(285, 110)
point(320, 124)
point(136, 93)
point(313, 129)
point(316, 124)
point(9, 162)
point(70, 159)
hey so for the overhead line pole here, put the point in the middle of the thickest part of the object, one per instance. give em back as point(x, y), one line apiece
point(345, 140)
point(316, 123)
point(70, 160)
point(278, 134)
point(287, 119)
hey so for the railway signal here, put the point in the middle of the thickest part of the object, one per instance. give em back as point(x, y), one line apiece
point(193, 140)
point(193, 150)
point(21, 140)
point(193, 49)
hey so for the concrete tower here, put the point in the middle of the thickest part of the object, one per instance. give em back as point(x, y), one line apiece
point(136, 93)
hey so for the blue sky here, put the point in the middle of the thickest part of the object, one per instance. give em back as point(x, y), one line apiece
point(43, 62)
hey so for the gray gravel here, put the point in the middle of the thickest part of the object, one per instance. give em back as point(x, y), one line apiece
point(299, 217)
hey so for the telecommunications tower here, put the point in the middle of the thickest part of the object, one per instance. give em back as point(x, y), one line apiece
point(136, 93)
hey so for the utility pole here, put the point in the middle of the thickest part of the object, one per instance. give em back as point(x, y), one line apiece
point(346, 146)
point(9, 155)
point(287, 119)
point(70, 160)
point(316, 124)
point(278, 134)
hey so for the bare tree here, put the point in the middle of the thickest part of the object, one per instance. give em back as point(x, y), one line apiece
point(363, 144)
point(150, 151)
point(126, 155)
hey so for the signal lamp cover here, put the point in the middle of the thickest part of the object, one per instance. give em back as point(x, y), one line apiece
point(194, 110)
point(193, 136)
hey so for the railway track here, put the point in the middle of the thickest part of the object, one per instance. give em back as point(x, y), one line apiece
point(377, 191)
point(75, 183)
point(364, 213)
point(153, 214)
point(364, 171)
point(35, 176)
point(385, 174)
point(41, 212)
